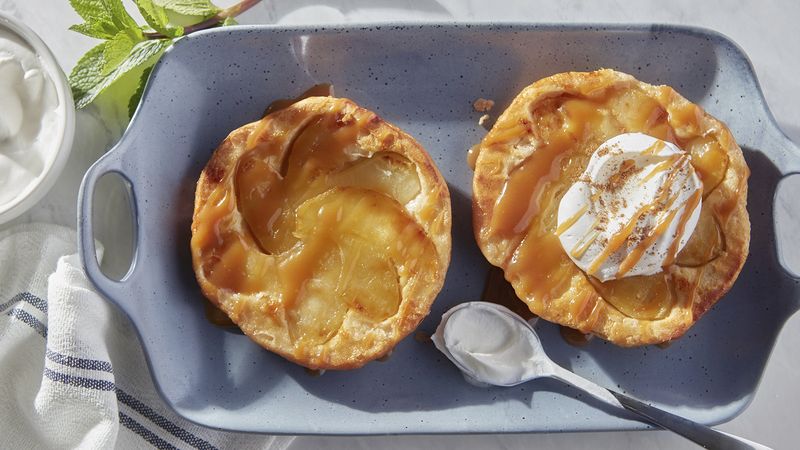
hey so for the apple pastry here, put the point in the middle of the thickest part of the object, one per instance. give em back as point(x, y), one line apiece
point(323, 232)
point(612, 206)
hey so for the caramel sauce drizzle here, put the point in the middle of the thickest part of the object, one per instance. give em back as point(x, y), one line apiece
point(654, 149)
point(318, 90)
point(584, 244)
point(255, 135)
point(586, 241)
point(571, 220)
point(679, 159)
point(573, 337)
point(295, 270)
point(518, 203)
point(620, 238)
point(636, 254)
point(216, 316)
point(422, 337)
point(691, 205)
point(498, 290)
point(617, 240)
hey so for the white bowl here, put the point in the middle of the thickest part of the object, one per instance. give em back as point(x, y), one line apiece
point(58, 157)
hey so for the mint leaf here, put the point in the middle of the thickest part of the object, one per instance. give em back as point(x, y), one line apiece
point(104, 18)
point(156, 17)
point(129, 50)
point(133, 103)
point(119, 15)
point(87, 72)
point(97, 16)
point(116, 50)
point(202, 8)
point(91, 10)
point(93, 29)
point(143, 54)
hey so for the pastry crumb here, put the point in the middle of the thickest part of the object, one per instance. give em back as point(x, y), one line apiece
point(482, 105)
point(484, 120)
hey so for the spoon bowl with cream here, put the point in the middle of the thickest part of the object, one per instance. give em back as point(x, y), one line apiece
point(493, 346)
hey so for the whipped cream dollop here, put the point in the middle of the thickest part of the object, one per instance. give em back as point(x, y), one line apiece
point(632, 210)
point(489, 344)
point(31, 121)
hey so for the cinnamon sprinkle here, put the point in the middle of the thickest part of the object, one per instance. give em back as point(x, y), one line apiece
point(617, 181)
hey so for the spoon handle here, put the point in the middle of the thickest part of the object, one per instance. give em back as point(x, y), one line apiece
point(695, 432)
point(699, 434)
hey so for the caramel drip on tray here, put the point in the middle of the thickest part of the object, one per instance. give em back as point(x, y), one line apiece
point(318, 90)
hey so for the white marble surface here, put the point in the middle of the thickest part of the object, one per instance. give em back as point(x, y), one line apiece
point(765, 30)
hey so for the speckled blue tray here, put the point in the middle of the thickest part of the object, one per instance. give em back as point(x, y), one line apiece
point(424, 78)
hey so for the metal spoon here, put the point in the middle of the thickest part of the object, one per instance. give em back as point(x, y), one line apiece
point(541, 366)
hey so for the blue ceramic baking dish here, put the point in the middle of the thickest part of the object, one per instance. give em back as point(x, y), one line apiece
point(424, 79)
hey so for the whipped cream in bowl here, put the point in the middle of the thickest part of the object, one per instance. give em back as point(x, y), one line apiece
point(632, 210)
point(37, 118)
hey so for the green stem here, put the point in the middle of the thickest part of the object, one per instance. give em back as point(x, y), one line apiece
point(212, 21)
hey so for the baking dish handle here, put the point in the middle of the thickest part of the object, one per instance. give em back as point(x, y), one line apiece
point(786, 217)
point(87, 246)
point(786, 209)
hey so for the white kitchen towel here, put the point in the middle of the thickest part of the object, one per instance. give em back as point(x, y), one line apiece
point(73, 373)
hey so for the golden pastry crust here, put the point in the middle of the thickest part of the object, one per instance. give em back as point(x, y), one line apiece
point(323, 232)
point(560, 120)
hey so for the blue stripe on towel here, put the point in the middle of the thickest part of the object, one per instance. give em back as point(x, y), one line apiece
point(162, 421)
point(134, 404)
point(33, 322)
point(90, 383)
point(80, 363)
point(146, 434)
point(37, 302)
point(103, 385)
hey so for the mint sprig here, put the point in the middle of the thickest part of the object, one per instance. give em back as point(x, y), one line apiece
point(199, 8)
point(129, 47)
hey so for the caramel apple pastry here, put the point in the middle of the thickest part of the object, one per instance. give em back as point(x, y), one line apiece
point(323, 232)
point(612, 206)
